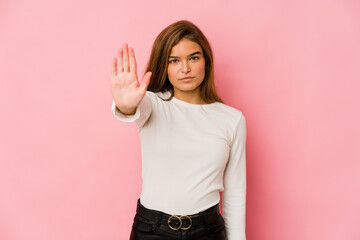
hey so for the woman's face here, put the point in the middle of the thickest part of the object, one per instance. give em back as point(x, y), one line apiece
point(186, 69)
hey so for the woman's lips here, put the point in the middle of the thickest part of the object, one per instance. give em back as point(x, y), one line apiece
point(186, 79)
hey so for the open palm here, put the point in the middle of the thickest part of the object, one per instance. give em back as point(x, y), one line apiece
point(126, 90)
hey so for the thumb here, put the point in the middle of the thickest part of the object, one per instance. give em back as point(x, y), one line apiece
point(145, 81)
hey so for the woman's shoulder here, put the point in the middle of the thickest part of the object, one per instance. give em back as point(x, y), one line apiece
point(230, 111)
point(158, 95)
point(154, 97)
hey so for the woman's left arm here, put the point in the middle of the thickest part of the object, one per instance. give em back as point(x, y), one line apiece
point(234, 195)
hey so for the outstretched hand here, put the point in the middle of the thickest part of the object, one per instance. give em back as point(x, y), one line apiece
point(126, 90)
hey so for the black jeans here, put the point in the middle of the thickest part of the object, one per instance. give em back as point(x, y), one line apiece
point(155, 225)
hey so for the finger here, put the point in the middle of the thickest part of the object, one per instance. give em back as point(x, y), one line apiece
point(145, 81)
point(132, 60)
point(126, 58)
point(120, 61)
point(113, 68)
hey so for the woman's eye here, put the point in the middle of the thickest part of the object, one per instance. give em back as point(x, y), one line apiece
point(173, 61)
point(194, 58)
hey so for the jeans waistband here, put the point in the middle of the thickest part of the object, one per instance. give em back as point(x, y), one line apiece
point(176, 222)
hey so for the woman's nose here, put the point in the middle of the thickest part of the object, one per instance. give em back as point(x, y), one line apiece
point(185, 67)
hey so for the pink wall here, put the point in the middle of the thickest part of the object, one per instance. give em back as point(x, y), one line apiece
point(70, 170)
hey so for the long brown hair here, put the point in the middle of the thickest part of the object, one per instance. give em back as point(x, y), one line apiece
point(158, 62)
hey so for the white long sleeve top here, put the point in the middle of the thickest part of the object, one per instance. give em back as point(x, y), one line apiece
point(191, 153)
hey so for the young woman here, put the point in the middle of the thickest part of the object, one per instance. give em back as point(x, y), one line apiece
point(192, 144)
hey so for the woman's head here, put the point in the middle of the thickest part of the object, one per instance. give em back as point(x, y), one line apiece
point(166, 70)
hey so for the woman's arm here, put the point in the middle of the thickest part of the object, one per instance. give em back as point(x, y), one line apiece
point(141, 114)
point(234, 195)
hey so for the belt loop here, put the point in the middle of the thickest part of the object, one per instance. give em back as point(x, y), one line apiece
point(159, 220)
point(203, 219)
point(208, 217)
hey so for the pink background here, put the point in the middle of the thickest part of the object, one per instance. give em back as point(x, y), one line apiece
point(70, 170)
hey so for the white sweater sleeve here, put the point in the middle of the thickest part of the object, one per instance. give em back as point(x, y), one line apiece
point(143, 112)
point(234, 195)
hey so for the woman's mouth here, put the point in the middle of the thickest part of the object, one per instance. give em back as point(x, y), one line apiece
point(186, 79)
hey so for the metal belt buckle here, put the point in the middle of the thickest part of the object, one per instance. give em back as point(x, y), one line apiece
point(171, 220)
point(190, 222)
point(178, 221)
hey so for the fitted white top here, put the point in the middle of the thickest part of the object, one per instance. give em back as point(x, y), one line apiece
point(191, 153)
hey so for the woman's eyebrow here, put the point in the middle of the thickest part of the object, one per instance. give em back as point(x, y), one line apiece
point(192, 54)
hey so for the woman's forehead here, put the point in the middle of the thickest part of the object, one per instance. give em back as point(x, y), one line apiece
point(185, 48)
